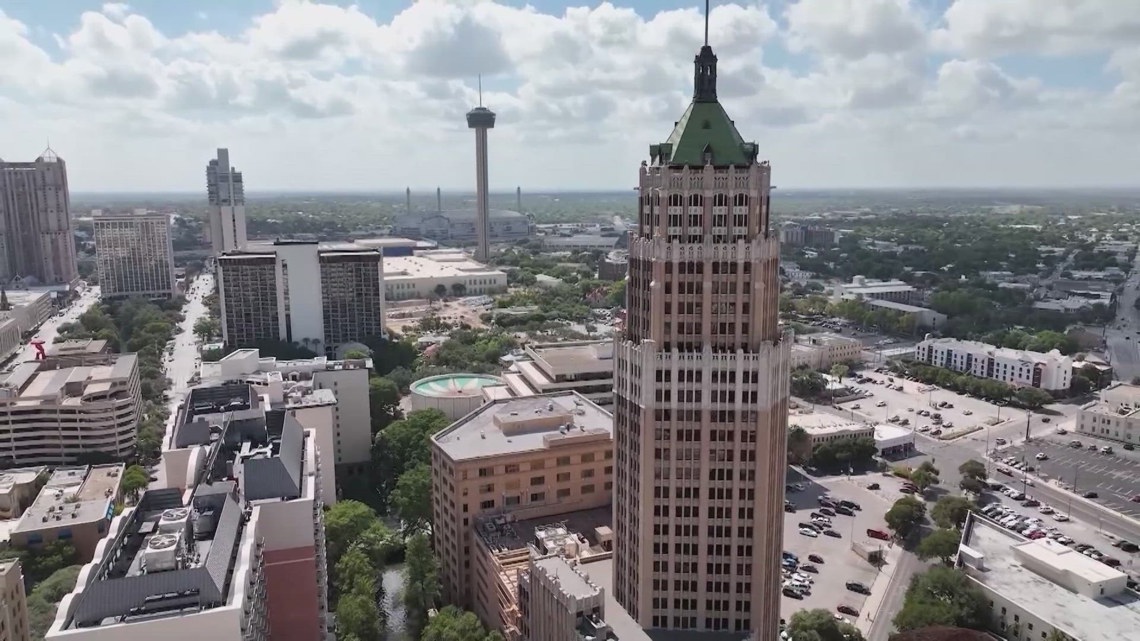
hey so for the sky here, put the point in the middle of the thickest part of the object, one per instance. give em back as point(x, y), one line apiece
point(371, 96)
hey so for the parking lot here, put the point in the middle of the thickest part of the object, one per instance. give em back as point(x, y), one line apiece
point(965, 414)
point(840, 564)
point(1114, 477)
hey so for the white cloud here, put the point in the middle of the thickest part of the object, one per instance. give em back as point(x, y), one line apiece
point(321, 96)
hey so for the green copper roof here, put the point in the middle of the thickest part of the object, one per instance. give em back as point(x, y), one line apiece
point(705, 127)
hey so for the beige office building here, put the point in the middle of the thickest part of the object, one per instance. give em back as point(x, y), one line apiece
point(532, 458)
point(134, 255)
point(36, 242)
point(318, 295)
point(78, 401)
point(586, 367)
point(75, 505)
point(13, 603)
point(701, 385)
point(821, 351)
point(1115, 415)
point(18, 488)
point(225, 191)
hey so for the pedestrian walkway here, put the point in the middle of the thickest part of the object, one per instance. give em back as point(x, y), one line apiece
point(879, 590)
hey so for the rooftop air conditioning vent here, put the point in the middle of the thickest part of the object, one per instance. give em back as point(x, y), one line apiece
point(175, 514)
point(163, 541)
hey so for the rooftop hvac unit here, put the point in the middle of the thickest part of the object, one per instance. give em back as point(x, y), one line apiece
point(174, 520)
point(161, 552)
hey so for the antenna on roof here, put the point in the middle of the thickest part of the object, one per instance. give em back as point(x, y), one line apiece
point(707, 11)
point(480, 76)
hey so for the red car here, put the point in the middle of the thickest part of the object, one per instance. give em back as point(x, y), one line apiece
point(878, 534)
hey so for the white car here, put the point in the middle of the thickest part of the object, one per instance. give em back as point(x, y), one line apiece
point(1045, 509)
point(967, 412)
point(1041, 456)
point(881, 404)
point(1060, 517)
point(809, 532)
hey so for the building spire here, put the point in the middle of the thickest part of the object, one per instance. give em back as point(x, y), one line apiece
point(480, 77)
point(704, 72)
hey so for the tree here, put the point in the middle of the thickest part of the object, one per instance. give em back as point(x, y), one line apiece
point(458, 289)
point(973, 469)
point(1033, 398)
point(411, 499)
point(45, 597)
point(453, 624)
point(950, 511)
point(807, 383)
point(972, 485)
point(44, 561)
point(1057, 635)
point(345, 522)
point(923, 478)
point(383, 402)
point(421, 581)
point(403, 445)
point(355, 355)
point(402, 377)
point(906, 514)
point(844, 453)
point(940, 544)
point(799, 444)
point(355, 572)
point(357, 617)
point(839, 370)
point(822, 625)
point(388, 354)
point(943, 596)
point(135, 479)
point(440, 291)
point(206, 328)
point(1080, 385)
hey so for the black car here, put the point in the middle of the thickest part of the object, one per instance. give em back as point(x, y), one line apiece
point(833, 534)
point(845, 511)
point(1091, 495)
point(827, 511)
point(1129, 546)
point(809, 568)
point(873, 486)
point(856, 586)
point(792, 594)
point(848, 610)
point(815, 558)
point(825, 502)
point(851, 505)
point(789, 508)
point(1129, 447)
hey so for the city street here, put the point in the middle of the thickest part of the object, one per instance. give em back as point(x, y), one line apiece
point(50, 328)
point(1123, 350)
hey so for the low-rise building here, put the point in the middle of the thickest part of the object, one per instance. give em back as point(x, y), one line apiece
point(76, 505)
point(894, 441)
point(863, 288)
point(533, 457)
point(1114, 416)
point(238, 556)
point(29, 307)
point(18, 488)
point(822, 350)
point(828, 428)
point(920, 317)
point(304, 386)
point(422, 275)
point(582, 242)
point(14, 625)
point(78, 401)
point(615, 265)
point(1036, 587)
point(795, 234)
point(1051, 371)
point(585, 367)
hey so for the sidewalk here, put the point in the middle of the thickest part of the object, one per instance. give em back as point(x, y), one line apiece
point(879, 590)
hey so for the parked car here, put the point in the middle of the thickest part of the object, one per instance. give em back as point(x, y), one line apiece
point(856, 586)
point(809, 532)
point(1091, 495)
point(878, 534)
point(815, 558)
point(873, 486)
point(848, 610)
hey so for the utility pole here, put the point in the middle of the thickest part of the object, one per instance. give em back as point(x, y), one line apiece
point(1028, 419)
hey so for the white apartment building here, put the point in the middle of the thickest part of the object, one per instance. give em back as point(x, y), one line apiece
point(862, 287)
point(226, 193)
point(1050, 371)
point(419, 276)
point(134, 255)
point(317, 295)
point(1115, 415)
point(239, 555)
point(305, 385)
point(1036, 587)
point(78, 401)
point(821, 351)
point(36, 242)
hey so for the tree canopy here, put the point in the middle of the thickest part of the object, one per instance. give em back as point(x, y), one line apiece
point(403, 445)
point(943, 596)
point(821, 625)
point(940, 544)
point(905, 515)
point(950, 511)
point(453, 624)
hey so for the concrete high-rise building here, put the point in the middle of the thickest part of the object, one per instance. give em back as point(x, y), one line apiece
point(481, 119)
point(13, 603)
point(227, 204)
point(319, 296)
point(701, 385)
point(35, 222)
point(134, 255)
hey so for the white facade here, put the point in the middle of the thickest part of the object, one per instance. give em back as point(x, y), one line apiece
point(1050, 371)
point(226, 194)
point(411, 277)
point(862, 287)
point(924, 318)
point(348, 433)
point(134, 255)
point(821, 351)
point(1115, 416)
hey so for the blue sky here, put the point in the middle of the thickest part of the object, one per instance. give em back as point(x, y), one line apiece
point(843, 93)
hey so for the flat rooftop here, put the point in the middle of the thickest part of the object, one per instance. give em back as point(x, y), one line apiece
point(1118, 399)
point(34, 382)
point(448, 265)
point(514, 426)
point(73, 495)
point(1102, 619)
point(19, 476)
point(589, 527)
point(902, 307)
point(825, 338)
point(575, 356)
point(823, 423)
point(992, 350)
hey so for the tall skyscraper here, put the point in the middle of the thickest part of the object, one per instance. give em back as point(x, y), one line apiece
point(227, 204)
point(134, 255)
point(481, 119)
point(35, 221)
point(701, 384)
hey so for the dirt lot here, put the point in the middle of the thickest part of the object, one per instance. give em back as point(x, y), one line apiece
point(407, 313)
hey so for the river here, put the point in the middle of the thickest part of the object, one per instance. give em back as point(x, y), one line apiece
point(393, 581)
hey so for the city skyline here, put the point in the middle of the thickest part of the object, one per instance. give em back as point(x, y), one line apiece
point(875, 94)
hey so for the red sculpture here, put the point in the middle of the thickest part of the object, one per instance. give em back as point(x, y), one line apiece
point(40, 353)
